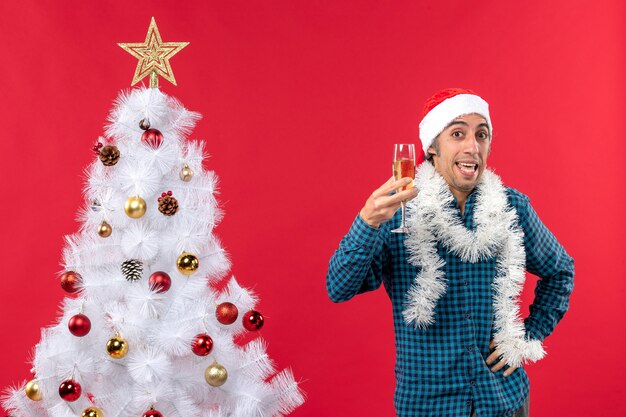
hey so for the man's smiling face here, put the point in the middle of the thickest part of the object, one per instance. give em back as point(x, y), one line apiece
point(463, 149)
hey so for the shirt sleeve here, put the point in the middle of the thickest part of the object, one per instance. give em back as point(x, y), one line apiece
point(549, 261)
point(359, 263)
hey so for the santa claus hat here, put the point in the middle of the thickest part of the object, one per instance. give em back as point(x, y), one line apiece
point(445, 106)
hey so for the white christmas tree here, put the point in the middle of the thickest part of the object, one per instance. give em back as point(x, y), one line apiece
point(145, 332)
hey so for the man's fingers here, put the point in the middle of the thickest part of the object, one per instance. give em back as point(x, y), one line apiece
point(391, 186)
point(397, 198)
point(498, 366)
point(492, 344)
point(509, 371)
point(492, 358)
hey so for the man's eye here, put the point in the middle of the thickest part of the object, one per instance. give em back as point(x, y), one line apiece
point(482, 135)
point(457, 134)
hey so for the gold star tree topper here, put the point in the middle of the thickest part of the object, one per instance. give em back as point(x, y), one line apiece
point(154, 56)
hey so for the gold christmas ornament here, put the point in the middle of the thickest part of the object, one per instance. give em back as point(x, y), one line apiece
point(154, 56)
point(33, 391)
point(93, 412)
point(187, 263)
point(215, 375)
point(117, 347)
point(135, 207)
point(104, 229)
point(186, 174)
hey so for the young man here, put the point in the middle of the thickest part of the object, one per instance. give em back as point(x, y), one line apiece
point(454, 278)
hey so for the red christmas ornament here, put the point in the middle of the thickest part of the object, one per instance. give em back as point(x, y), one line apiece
point(227, 313)
point(202, 344)
point(79, 325)
point(160, 282)
point(253, 320)
point(152, 413)
point(70, 390)
point(152, 137)
point(70, 281)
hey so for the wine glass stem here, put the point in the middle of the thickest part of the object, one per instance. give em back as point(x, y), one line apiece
point(403, 215)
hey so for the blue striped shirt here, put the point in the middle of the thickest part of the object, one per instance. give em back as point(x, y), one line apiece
point(441, 370)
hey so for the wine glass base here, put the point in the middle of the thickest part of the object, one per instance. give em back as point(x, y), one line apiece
point(400, 230)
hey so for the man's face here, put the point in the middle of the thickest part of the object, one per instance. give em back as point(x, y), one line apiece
point(463, 149)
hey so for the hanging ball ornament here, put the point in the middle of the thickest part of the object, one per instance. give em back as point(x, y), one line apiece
point(215, 375)
point(104, 229)
point(226, 313)
point(70, 390)
point(152, 413)
point(152, 137)
point(252, 320)
point(202, 344)
point(135, 207)
point(160, 282)
point(117, 347)
point(92, 412)
point(187, 263)
point(144, 124)
point(70, 282)
point(79, 325)
point(33, 391)
point(186, 174)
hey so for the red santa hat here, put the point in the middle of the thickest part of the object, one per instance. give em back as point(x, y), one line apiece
point(445, 106)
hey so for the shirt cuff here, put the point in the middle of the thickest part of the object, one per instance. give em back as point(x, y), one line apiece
point(361, 233)
point(532, 332)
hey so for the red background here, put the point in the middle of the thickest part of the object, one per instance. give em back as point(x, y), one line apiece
point(302, 101)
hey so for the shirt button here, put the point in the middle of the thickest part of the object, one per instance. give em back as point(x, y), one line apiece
point(466, 283)
point(472, 382)
point(470, 348)
point(469, 403)
point(468, 315)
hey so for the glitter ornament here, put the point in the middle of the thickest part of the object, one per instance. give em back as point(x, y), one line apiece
point(92, 412)
point(135, 207)
point(226, 313)
point(79, 325)
point(160, 282)
point(186, 174)
point(33, 391)
point(187, 263)
point(117, 347)
point(202, 344)
point(105, 229)
point(70, 390)
point(70, 282)
point(215, 375)
point(252, 320)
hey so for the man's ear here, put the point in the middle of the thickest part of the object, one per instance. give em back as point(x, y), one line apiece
point(432, 151)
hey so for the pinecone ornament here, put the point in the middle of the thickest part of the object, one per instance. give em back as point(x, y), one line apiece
point(168, 205)
point(132, 270)
point(109, 155)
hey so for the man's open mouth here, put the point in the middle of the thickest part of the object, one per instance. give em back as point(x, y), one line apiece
point(467, 168)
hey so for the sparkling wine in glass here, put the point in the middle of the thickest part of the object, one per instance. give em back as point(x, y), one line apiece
point(403, 166)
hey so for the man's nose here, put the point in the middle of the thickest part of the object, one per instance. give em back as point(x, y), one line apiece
point(470, 144)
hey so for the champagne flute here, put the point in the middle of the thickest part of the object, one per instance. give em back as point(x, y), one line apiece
point(403, 166)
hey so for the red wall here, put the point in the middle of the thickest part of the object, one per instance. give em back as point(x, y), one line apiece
point(302, 101)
